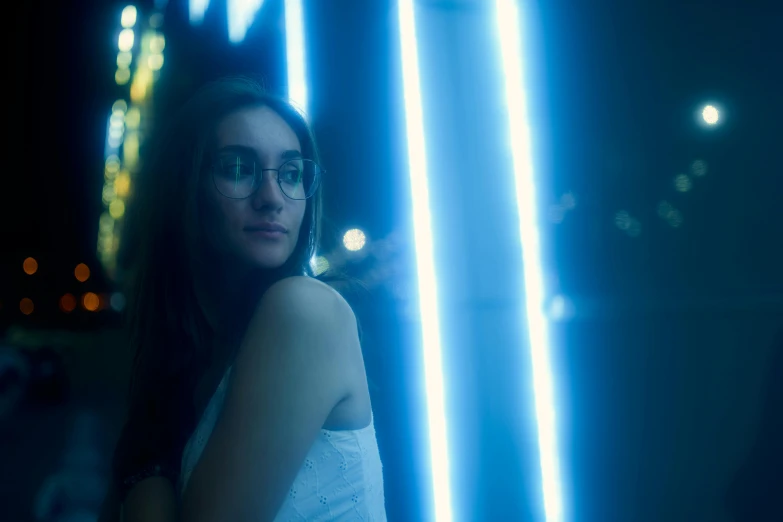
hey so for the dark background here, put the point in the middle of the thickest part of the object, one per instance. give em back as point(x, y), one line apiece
point(665, 354)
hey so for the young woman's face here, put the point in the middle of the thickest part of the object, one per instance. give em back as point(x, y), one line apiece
point(261, 230)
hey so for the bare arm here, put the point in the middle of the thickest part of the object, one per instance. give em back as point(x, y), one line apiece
point(151, 500)
point(291, 371)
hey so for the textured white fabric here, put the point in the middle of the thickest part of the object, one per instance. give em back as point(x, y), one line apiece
point(341, 478)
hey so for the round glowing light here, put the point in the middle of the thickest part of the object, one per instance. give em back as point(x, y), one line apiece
point(682, 183)
point(81, 272)
point(122, 184)
point(108, 195)
point(561, 308)
point(114, 141)
point(557, 213)
point(124, 60)
point(68, 303)
point(125, 40)
point(155, 61)
point(115, 133)
point(354, 240)
point(132, 118)
point(157, 43)
point(112, 163)
point(119, 106)
point(623, 220)
point(117, 301)
point(156, 20)
point(91, 302)
point(319, 265)
point(128, 18)
point(699, 168)
point(26, 306)
point(122, 76)
point(117, 208)
point(710, 115)
point(664, 208)
point(674, 218)
point(30, 266)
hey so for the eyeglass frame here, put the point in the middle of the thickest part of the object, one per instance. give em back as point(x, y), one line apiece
point(319, 173)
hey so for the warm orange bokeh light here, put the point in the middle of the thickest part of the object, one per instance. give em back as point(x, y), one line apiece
point(26, 306)
point(82, 272)
point(67, 303)
point(91, 301)
point(30, 266)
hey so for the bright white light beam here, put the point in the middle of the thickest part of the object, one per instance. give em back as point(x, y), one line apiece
point(508, 19)
point(196, 11)
point(295, 54)
point(425, 265)
point(241, 14)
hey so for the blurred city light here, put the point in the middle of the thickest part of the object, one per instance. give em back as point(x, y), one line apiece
point(196, 11)
point(119, 106)
point(26, 306)
point(561, 308)
point(710, 115)
point(354, 240)
point(319, 265)
point(425, 265)
point(124, 60)
point(81, 272)
point(509, 30)
point(122, 185)
point(112, 164)
point(30, 266)
point(155, 61)
point(91, 302)
point(128, 18)
point(125, 40)
point(117, 302)
point(122, 76)
point(157, 43)
point(132, 118)
point(699, 168)
point(622, 219)
point(117, 208)
point(68, 303)
point(682, 183)
point(240, 17)
point(295, 54)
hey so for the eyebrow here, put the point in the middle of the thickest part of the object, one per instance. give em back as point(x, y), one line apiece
point(288, 154)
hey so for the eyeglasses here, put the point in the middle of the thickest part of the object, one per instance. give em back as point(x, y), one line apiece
point(238, 177)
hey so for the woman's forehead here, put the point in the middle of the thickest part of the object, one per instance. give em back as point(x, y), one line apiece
point(257, 129)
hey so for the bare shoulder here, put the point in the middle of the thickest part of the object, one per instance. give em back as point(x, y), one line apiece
point(302, 311)
point(305, 295)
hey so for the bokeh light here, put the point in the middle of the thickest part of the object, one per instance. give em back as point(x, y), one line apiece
point(68, 303)
point(117, 301)
point(354, 240)
point(30, 266)
point(122, 184)
point(128, 18)
point(117, 208)
point(122, 76)
point(622, 219)
point(125, 40)
point(568, 201)
point(682, 183)
point(634, 228)
point(561, 308)
point(124, 60)
point(81, 272)
point(91, 302)
point(319, 265)
point(710, 115)
point(157, 43)
point(26, 306)
point(155, 61)
point(699, 168)
point(133, 118)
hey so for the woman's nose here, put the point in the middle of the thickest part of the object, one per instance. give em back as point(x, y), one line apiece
point(268, 193)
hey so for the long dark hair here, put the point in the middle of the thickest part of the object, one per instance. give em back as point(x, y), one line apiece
point(161, 259)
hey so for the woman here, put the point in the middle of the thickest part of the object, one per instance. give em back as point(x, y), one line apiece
point(249, 398)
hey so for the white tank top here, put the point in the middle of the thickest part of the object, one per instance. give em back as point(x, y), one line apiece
point(341, 478)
